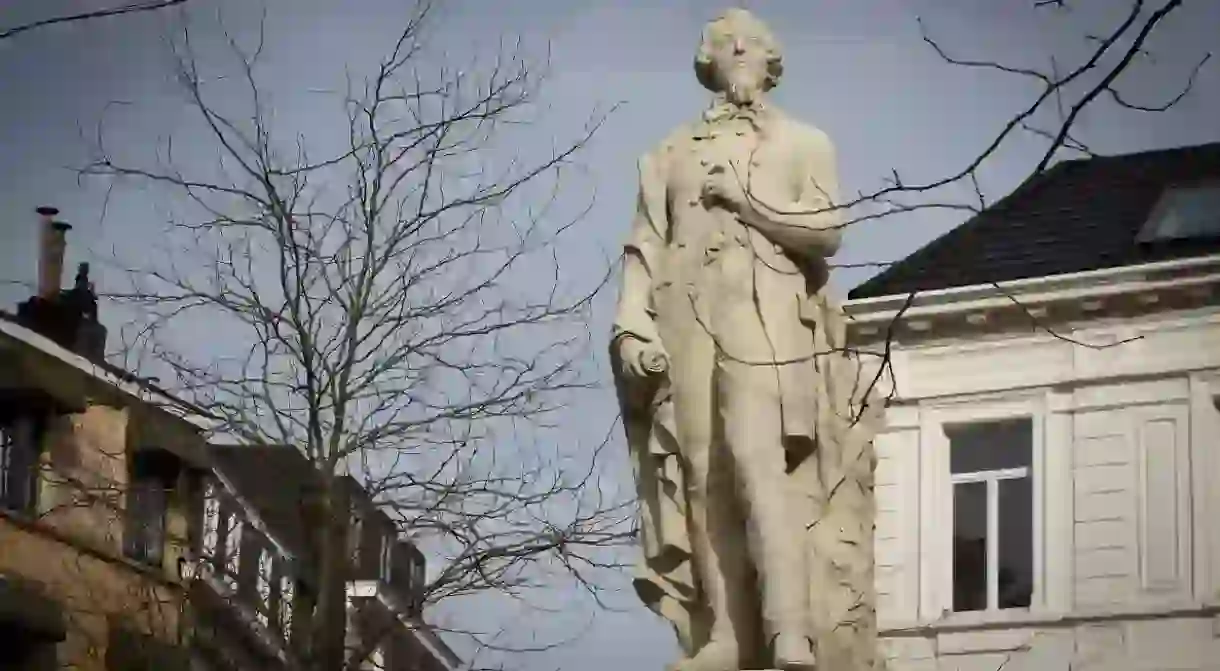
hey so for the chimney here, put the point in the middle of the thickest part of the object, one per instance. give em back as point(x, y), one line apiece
point(66, 317)
point(51, 245)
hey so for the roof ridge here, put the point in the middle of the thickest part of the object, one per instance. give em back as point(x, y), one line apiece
point(1177, 149)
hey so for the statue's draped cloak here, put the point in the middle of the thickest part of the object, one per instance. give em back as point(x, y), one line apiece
point(837, 477)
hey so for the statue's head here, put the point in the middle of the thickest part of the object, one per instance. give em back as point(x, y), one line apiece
point(738, 57)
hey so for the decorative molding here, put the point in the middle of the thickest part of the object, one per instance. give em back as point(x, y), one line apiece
point(977, 309)
point(36, 526)
point(1021, 619)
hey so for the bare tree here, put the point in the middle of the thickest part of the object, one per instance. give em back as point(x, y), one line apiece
point(1052, 116)
point(378, 294)
point(395, 310)
point(129, 8)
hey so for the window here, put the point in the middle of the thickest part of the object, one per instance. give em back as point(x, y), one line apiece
point(412, 574)
point(144, 536)
point(19, 438)
point(991, 466)
point(263, 585)
point(1184, 212)
point(150, 476)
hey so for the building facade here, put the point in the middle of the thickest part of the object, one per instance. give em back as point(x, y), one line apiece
point(1048, 483)
point(96, 478)
point(128, 543)
point(259, 560)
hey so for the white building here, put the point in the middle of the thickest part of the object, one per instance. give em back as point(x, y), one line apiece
point(1048, 485)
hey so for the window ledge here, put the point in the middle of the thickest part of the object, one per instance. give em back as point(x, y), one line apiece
point(983, 621)
point(33, 525)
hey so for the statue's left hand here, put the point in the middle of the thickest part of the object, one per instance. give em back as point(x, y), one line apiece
point(724, 188)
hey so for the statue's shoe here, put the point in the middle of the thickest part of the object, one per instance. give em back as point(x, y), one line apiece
point(715, 656)
point(793, 653)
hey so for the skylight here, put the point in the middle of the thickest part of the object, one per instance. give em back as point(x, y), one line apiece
point(1185, 212)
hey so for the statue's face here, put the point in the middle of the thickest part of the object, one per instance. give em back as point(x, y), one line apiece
point(739, 56)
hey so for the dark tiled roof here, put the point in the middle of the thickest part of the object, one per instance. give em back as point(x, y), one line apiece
point(284, 489)
point(278, 481)
point(1079, 215)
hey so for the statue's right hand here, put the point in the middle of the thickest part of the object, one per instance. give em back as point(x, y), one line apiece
point(642, 359)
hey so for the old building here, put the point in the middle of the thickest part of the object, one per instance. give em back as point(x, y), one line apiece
point(260, 563)
point(1049, 481)
point(96, 475)
point(127, 543)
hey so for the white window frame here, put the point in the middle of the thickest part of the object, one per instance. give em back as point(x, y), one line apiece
point(992, 479)
point(936, 496)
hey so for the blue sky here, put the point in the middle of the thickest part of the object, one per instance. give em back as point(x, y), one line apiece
point(856, 69)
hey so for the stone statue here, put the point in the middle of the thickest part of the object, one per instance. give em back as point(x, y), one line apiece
point(745, 415)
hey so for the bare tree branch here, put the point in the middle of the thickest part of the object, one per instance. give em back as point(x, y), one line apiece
point(132, 8)
point(397, 310)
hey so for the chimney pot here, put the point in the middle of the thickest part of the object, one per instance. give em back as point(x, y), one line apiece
point(51, 246)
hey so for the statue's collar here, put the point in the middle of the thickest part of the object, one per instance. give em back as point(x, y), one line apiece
point(723, 110)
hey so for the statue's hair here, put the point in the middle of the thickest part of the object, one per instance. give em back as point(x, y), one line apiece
point(732, 22)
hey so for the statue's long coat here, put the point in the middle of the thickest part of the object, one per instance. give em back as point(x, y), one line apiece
point(676, 240)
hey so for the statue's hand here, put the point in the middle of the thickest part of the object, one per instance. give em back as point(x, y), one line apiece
point(642, 359)
point(723, 188)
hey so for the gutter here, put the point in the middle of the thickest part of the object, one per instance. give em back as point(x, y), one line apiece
point(1082, 285)
point(172, 406)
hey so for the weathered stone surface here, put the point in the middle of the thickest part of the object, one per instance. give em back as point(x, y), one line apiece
point(748, 429)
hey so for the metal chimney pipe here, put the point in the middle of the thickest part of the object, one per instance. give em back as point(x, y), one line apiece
point(52, 242)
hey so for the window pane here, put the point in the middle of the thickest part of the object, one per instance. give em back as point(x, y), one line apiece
point(18, 464)
point(8, 451)
point(1016, 540)
point(970, 546)
point(1186, 212)
point(990, 446)
point(145, 520)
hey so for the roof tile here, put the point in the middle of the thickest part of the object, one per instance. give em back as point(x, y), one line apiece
point(1079, 215)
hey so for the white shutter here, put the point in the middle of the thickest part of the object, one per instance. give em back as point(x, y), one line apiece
point(263, 584)
point(287, 596)
point(211, 520)
point(233, 550)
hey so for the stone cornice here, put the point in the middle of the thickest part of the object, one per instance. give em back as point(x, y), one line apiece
point(1182, 284)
